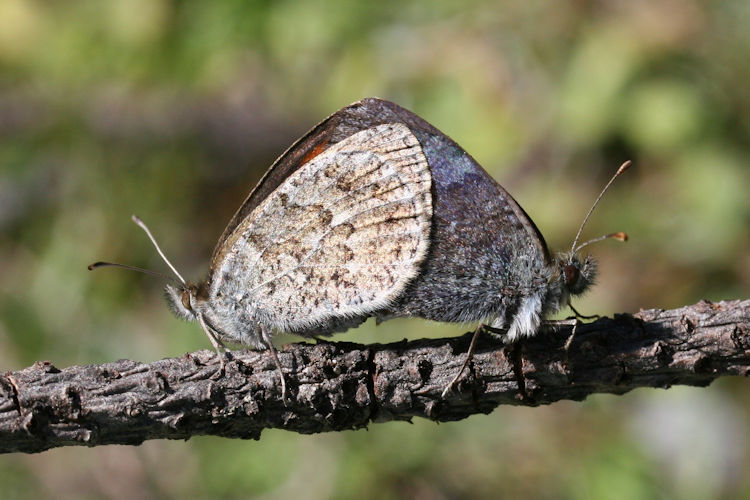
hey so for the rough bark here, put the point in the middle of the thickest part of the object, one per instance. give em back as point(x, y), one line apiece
point(338, 386)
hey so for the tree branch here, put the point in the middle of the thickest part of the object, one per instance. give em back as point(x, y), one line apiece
point(337, 386)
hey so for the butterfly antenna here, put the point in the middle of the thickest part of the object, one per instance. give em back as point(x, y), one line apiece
point(617, 236)
point(97, 265)
point(143, 226)
point(619, 172)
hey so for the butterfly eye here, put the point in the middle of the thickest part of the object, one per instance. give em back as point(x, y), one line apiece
point(571, 274)
point(186, 300)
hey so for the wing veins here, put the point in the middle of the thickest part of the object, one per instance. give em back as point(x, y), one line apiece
point(302, 228)
point(379, 165)
point(314, 251)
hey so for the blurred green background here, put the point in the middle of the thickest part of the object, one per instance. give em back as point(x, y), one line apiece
point(173, 110)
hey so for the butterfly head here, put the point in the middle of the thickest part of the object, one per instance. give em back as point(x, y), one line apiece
point(183, 300)
point(577, 272)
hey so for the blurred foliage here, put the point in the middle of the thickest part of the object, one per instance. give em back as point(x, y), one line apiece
point(173, 110)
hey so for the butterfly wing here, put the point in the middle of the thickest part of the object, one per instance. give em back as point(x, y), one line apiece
point(340, 237)
point(480, 234)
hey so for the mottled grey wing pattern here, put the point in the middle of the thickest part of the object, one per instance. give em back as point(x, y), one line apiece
point(341, 236)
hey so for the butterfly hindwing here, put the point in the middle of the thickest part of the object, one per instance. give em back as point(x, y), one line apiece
point(340, 237)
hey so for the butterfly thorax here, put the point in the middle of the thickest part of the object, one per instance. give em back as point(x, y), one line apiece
point(197, 302)
point(541, 291)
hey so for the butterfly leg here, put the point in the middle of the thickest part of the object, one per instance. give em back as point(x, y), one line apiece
point(582, 316)
point(498, 333)
point(578, 316)
point(469, 357)
point(569, 342)
point(266, 338)
point(221, 350)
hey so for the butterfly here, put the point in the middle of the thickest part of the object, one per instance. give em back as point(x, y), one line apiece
point(376, 213)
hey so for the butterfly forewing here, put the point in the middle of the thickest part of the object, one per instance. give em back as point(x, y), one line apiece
point(342, 236)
